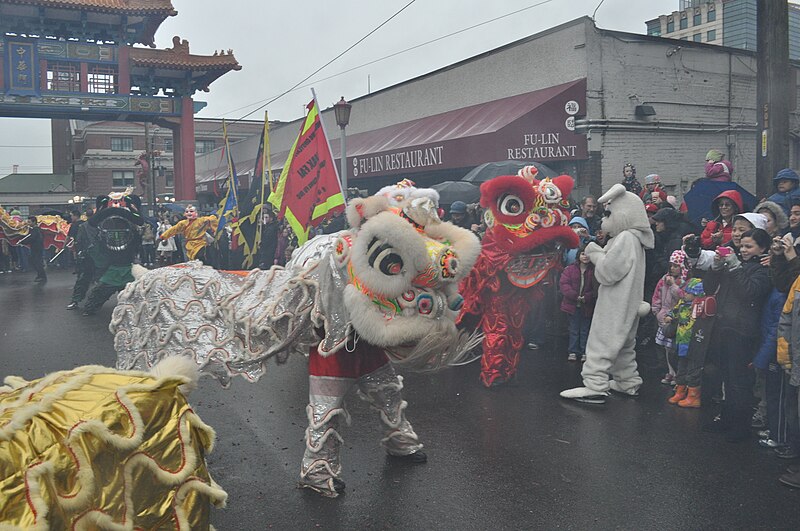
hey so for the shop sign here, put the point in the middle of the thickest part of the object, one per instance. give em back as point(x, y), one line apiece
point(411, 159)
point(556, 140)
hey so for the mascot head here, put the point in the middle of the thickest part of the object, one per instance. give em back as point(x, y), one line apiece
point(624, 211)
point(190, 213)
point(117, 219)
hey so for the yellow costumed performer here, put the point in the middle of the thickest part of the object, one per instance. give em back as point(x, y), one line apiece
point(195, 232)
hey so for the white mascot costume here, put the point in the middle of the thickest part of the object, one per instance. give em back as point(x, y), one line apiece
point(619, 269)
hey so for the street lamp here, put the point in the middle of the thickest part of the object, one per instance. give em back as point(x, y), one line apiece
point(342, 111)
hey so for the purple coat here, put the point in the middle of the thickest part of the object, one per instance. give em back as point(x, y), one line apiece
point(570, 284)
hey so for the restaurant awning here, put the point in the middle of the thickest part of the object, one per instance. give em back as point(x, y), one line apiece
point(536, 125)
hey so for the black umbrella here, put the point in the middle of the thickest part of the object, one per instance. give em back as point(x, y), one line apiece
point(490, 170)
point(451, 191)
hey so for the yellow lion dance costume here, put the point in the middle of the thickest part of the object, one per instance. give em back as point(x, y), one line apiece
point(98, 448)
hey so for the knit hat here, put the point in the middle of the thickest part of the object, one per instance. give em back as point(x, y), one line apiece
point(458, 207)
point(695, 287)
point(652, 179)
point(777, 212)
point(758, 221)
point(679, 257)
point(715, 155)
point(651, 208)
point(580, 221)
point(787, 173)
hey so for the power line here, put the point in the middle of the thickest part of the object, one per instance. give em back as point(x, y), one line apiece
point(315, 72)
point(391, 55)
point(15, 147)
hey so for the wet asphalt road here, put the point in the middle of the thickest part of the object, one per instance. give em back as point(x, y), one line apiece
point(513, 458)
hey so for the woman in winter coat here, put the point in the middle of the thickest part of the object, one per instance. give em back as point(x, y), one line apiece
point(777, 221)
point(724, 207)
point(579, 291)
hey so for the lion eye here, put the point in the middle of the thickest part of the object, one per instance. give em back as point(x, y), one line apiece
point(425, 304)
point(510, 205)
point(383, 257)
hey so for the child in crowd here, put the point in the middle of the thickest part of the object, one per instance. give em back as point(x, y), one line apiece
point(717, 168)
point(579, 291)
point(652, 188)
point(687, 388)
point(665, 297)
point(629, 180)
point(787, 184)
point(741, 285)
point(581, 228)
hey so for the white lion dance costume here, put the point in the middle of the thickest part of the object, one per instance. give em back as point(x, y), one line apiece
point(385, 290)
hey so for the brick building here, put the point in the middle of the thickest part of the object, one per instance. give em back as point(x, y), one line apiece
point(103, 156)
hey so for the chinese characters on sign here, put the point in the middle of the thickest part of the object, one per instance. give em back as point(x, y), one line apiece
point(22, 68)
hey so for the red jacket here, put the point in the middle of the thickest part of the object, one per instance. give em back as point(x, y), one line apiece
point(716, 224)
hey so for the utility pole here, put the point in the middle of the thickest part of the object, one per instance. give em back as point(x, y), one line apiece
point(773, 92)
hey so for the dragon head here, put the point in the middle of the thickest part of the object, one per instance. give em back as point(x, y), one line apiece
point(528, 219)
point(117, 219)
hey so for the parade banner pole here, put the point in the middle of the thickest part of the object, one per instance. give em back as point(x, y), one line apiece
point(330, 154)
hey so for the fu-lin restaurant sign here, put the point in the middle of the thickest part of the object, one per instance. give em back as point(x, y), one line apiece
point(537, 126)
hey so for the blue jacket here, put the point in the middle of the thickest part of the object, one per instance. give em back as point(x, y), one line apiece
point(769, 330)
point(784, 199)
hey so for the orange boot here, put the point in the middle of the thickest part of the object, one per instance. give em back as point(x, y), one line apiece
point(692, 399)
point(680, 394)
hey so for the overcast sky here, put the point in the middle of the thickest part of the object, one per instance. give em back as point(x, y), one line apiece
point(280, 43)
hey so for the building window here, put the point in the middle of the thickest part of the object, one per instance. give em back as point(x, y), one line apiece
point(711, 35)
point(169, 176)
point(121, 144)
point(102, 79)
point(697, 37)
point(203, 146)
point(654, 27)
point(711, 16)
point(684, 21)
point(63, 77)
point(670, 25)
point(698, 18)
point(122, 178)
point(167, 145)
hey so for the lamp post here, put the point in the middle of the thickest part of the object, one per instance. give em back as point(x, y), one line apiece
point(342, 111)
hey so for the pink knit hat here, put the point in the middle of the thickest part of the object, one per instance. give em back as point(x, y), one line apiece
point(679, 257)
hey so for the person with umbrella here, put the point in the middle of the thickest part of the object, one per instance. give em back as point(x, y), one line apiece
point(724, 207)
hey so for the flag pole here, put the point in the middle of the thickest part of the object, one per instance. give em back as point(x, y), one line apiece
point(266, 171)
point(322, 123)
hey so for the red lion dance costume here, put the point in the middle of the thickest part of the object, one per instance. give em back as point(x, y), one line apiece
point(527, 228)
